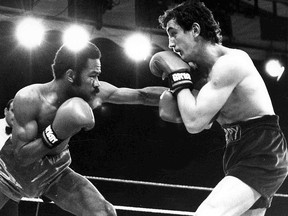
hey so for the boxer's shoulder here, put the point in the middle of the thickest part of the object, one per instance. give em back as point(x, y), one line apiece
point(31, 92)
point(28, 100)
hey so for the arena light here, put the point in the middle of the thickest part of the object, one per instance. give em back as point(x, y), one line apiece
point(30, 32)
point(75, 37)
point(274, 68)
point(138, 47)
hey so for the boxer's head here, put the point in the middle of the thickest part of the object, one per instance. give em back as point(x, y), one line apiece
point(81, 69)
point(188, 13)
point(67, 59)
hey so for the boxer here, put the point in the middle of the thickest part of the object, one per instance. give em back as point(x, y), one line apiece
point(35, 161)
point(255, 159)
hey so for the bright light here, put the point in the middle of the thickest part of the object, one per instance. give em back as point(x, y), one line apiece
point(76, 37)
point(30, 32)
point(274, 68)
point(138, 47)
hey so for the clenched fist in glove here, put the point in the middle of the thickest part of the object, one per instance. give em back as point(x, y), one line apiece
point(168, 108)
point(72, 116)
point(169, 64)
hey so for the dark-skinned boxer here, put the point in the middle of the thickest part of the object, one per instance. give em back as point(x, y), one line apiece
point(35, 161)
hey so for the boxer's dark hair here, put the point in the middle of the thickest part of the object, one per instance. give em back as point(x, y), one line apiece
point(189, 12)
point(66, 59)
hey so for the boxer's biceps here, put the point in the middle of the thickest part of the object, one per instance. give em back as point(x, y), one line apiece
point(25, 134)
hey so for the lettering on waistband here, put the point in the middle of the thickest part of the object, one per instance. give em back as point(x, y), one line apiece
point(232, 134)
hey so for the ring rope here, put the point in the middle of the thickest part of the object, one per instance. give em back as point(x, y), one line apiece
point(149, 183)
point(150, 210)
point(140, 209)
point(162, 184)
point(129, 208)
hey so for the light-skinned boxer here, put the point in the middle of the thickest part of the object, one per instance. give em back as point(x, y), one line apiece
point(234, 95)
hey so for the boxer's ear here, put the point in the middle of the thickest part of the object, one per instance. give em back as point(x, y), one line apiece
point(196, 29)
point(70, 74)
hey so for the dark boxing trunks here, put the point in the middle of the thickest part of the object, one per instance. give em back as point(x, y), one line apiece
point(256, 153)
point(33, 180)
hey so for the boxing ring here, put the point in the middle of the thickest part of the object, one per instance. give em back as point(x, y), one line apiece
point(146, 210)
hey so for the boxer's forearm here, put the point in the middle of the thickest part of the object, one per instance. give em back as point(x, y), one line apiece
point(146, 96)
point(30, 152)
point(151, 95)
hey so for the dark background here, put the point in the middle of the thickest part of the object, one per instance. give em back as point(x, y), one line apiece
point(131, 141)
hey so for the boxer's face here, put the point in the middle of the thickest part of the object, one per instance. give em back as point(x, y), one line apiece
point(182, 42)
point(88, 83)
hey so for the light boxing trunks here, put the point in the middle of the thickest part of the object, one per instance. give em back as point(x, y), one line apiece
point(256, 153)
point(18, 181)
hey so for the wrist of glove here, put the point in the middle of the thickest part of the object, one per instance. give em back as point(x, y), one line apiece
point(179, 80)
point(49, 138)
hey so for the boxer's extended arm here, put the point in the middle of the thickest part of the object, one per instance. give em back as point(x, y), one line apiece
point(145, 96)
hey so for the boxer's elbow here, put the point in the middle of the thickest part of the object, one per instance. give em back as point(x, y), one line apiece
point(193, 130)
point(194, 126)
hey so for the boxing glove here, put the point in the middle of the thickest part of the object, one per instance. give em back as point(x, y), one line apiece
point(169, 64)
point(72, 116)
point(168, 108)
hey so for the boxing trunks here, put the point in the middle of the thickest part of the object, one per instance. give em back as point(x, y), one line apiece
point(256, 153)
point(18, 181)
